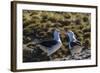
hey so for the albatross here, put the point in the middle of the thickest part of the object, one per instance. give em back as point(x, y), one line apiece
point(72, 41)
point(51, 46)
point(74, 45)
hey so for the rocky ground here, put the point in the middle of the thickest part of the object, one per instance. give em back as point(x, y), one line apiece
point(37, 55)
point(85, 54)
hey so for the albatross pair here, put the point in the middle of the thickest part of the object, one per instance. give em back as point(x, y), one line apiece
point(51, 46)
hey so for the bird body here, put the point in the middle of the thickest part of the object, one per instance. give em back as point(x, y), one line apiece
point(74, 45)
point(51, 46)
point(72, 39)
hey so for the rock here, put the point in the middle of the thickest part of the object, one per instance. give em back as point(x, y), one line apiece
point(78, 54)
point(69, 57)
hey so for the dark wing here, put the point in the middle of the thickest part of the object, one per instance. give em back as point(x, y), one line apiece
point(75, 43)
point(67, 38)
point(49, 43)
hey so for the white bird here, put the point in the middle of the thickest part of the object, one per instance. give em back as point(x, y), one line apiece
point(74, 45)
point(72, 41)
point(51, 46)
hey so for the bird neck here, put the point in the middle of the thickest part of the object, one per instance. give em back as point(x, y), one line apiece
point(71, 36)
point(57, 36)
point(59, 40)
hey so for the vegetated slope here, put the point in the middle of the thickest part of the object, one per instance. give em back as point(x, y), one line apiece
point(38, 25)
